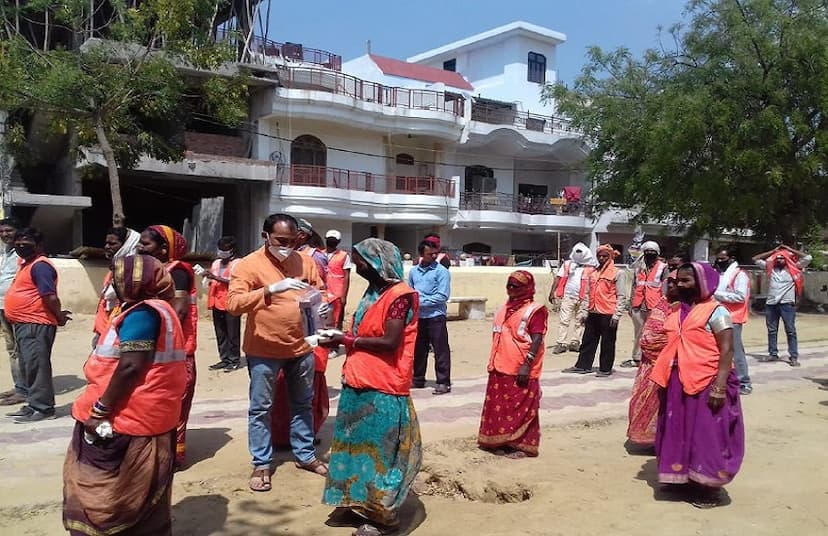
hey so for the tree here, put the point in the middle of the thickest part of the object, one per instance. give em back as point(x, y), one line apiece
point(111, 72)
point(725, 131)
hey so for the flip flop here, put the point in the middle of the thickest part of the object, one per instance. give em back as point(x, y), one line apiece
point(516, 455)
point(630, 363)
point(316, 466)
point(260, 480)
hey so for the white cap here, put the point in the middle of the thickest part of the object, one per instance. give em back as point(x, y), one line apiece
point(333, 233)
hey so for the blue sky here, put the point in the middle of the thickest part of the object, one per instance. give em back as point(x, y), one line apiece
point(401, 29)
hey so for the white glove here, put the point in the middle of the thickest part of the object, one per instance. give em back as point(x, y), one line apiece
point(324, 309)
point(199, 269)
point(286, 284)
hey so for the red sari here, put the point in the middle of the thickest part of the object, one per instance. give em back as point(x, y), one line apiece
point(644, 401)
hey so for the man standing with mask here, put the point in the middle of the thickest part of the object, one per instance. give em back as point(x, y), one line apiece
point(569, 289)
point(734, 293)
point(8, 269)
point(648, 282)
point(226, 325)
point(267, 286)
point(33, 308)
point(339, 275)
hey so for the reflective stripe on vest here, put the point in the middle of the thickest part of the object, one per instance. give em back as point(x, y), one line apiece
point(738, 311)
point(602, 292)
point(511, 343)
point(648, 286)
point(560, 286)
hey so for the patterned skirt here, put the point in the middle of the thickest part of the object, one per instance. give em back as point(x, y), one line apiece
point(510, 414)
point(375, 455)
point(644, 402)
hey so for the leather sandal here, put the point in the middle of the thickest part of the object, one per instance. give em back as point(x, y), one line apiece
point(260, 480)
point(316, 466)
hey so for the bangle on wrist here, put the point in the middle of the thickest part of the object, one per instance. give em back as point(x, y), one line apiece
point(349, 341)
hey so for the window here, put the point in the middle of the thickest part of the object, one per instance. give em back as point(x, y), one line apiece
point(480, 179)
point(537, 68)
point(450, 65)
point(405, 159)
point(308, 158)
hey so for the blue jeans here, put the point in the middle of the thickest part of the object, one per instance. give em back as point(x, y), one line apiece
point(299, 373)
point(739, 358)
point(787, 312)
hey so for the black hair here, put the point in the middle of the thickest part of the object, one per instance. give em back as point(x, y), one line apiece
point(157, 237)
point(227, 243)
point(30, 232)
point(120, 232)
point(273, 219)
point(683, 257)
point(432, 235)
point(11, 221)
point(425, 244)
point(729, 250)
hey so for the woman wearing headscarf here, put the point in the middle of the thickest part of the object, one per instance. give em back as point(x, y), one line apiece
point(119, 242)
point(644, 401)
point(700, 438)
point(168, 246)
point(119, 467)
point(510, 423)
point(376, 449)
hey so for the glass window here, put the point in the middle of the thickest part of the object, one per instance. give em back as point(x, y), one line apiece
point(450, 65)
point(537, 68)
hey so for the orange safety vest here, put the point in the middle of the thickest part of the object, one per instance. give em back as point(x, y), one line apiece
point(511, 342)
point(217, 292)
point(738, 311)
point(154, 405)
point(392, 372)
point(560, 285)
point(23, 304)
point(337, 274)
point(190, 324)
point(602, 297)
point(103, 317)
point(648, 287)
point(693, 347)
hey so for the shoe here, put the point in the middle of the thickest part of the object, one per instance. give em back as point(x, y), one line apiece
point(794, 362)
point(574, 347)
point(630, 363)
point(767, 358)
point(218, 366)
point(745, 390)
point(559, 349)
point(12, 400)
point(35, 416)
point(232, 366)
point(22, 412)
point(575, 370)
point(417, 385)
point(441, 389)
point(602, 374)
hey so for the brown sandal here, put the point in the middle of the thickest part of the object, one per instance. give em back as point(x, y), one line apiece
point(316, 466)
point(260, 480)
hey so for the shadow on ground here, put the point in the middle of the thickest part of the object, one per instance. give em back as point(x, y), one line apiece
point(204, 443)
point(66, 383)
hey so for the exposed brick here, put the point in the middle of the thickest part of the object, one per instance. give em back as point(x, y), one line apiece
point(217, 144)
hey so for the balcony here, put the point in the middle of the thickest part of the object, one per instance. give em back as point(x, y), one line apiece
point(263, 51)
point(520, 204)
point(364, 181)
point(521, 120)
point(371, 92)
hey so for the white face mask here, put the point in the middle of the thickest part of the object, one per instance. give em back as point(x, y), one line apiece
point(224, 254)
point(280, 252)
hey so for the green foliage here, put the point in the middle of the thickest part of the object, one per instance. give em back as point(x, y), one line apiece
point(725, 132)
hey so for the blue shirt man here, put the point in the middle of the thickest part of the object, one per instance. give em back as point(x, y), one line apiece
point(432, 282)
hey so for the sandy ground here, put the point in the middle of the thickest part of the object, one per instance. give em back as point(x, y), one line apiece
point(584, 481)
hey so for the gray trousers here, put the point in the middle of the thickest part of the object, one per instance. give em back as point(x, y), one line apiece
point(34, 344)
point(11, 348)
point(639, 318)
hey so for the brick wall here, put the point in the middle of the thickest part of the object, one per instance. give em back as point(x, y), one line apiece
point(217, 144)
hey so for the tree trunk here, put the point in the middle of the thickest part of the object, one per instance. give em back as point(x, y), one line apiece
point(118, 216)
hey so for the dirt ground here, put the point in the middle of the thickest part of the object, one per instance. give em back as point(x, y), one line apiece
point(583, 482)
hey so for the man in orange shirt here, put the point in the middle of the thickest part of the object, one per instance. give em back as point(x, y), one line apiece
point(33, 308)
point(267, 286)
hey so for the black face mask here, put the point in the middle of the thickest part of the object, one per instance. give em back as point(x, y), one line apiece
point(25, 251)
point(331, 242)
point(650, 257)
point(722, 265)
point(687, 295)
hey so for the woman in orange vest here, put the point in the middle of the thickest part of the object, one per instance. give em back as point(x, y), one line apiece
point(644, 400)
point(117, 478)
point(700, 438)
point(375, 420)
point(226, 326)
point(510, 424)
point(119, 242)
point(168, 246)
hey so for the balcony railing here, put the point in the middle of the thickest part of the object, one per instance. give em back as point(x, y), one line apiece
point(521, 120)
point(264, 51)
point(343, 84)
point(364, 181)
point(519, 203)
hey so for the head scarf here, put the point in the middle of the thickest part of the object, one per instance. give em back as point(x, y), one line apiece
point(385, 258)
point(707, 280)
point(142, 277)
point(650, 246)
point(523, 292)
point(581, 254)
point(791, 265)
point(613, 253)
point(130, 244)
point(304, 226)
point(434, 240)
point(175, 241)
